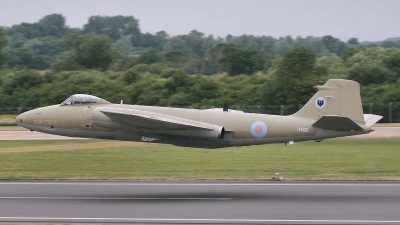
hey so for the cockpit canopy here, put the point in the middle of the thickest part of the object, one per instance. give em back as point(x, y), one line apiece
point(79, 99)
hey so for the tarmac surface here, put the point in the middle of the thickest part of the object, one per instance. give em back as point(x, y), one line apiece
point(200, 202)
point(28, 135)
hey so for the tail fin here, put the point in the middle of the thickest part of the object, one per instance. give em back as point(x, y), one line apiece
point(336, 97)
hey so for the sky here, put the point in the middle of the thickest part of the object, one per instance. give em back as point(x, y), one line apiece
point(367, 20)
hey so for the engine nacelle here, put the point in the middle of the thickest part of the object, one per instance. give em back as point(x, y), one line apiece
point(217, 133)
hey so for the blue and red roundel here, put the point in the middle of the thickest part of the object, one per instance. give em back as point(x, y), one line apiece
point(258, 129)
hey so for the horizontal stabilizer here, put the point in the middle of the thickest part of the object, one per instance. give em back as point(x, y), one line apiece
point(337, 123)
point(371, 119)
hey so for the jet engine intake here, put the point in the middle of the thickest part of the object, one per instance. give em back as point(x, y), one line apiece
point(220, 131)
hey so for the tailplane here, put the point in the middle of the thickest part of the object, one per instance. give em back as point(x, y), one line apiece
point(371, 119)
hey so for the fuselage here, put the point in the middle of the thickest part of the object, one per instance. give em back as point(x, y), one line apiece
point(241, 129)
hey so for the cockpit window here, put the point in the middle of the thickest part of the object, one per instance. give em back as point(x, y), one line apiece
point(82, 99)
point(67, 101)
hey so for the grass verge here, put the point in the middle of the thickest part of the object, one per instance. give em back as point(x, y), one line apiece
point(340, 159)
point(8, 144)
point(7, 120)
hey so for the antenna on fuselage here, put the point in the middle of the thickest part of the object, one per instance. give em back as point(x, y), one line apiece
point(225, 108)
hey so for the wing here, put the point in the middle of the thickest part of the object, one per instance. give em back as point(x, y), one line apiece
point(162, 123)
point(338, 123)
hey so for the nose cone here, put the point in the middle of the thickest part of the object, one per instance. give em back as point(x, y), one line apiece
point(18, 120)
point(24, 118)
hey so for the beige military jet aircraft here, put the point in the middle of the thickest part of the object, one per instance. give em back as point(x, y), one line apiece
point(334, 111)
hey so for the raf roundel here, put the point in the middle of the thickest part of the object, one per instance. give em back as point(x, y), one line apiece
point(320, 102)
point(258, 129)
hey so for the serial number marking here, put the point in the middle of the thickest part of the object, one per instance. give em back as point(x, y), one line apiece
point(303, 129)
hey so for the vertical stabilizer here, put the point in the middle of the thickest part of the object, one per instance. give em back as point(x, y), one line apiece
point(336, 97)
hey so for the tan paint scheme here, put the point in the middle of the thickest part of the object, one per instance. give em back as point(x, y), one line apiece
point(76, 117)
point(342, 98)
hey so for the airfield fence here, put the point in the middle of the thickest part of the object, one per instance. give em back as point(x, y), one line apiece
point(390, 111)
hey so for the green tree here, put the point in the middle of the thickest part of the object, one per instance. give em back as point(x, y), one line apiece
point(374, 55)
point(392, 62)
point(115, 27)
point(150, 91)
point(194, 41)
point(240, 60)
point(175, 43)
point(390, 44)
point(131, 76)
point(391, 92)
point(370, 74)
point(50, 25)
point(174, 58)
point(156, 68)
point(67, 61)
point(19, 57)
point(353, 41)
point(204, 91)
point(47, 47)
point(335, 66)
point(25, 30)
point(248, 41)
point(148, 40)
point(124, 45)
point(92, 51)
point(283, 46)
point(350, 52)
point(211, 61)
point(169, 72)
point(334, 45)
point(185, 59)
point(53, 25)
point(317, 46)
point(141, 68)
point(18, 87)
point(149, 57)
point(3, 43)
point(177, 81)
point(294, 77)
point(17, 42)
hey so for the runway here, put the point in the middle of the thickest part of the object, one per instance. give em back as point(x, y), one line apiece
point(202, 202)
point(28, 135)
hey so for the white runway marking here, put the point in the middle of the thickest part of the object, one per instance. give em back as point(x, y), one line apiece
point(199, 220)
point(102, 198)
point(206, 184)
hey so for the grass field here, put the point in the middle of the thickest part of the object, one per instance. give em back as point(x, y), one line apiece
point(340, 159)
point(7, 120)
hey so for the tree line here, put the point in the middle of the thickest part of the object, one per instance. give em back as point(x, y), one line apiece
point(45, 62)
point(50, 44)
point(288, 81)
